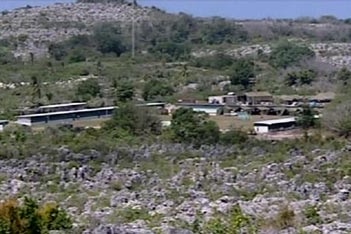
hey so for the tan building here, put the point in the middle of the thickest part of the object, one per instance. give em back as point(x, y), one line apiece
point(258, 98)
point(223, 99)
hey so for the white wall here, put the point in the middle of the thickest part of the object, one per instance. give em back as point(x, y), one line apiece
point(24, 121)
point(210, 111)
point(217, 98)
point(261, 129)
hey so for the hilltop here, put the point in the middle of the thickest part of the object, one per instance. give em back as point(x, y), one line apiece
point(32, 29)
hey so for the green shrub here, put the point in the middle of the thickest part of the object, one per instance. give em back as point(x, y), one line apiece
point(312, 215)
point(31, 218)
point(234, 136)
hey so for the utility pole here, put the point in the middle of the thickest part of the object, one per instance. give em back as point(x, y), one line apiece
point(133, 30)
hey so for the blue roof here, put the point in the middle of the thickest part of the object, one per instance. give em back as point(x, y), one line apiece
point(199, 105)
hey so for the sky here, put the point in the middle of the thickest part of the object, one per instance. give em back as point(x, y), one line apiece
point(238, 9)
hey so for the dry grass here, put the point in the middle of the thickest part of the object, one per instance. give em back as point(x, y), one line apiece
point(226, 122)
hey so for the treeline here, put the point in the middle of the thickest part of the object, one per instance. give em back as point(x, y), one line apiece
point(169, 40)
point(171, 37)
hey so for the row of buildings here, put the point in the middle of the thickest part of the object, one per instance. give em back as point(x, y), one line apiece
point(62, 117)
point(230, 104)
point(265, 98)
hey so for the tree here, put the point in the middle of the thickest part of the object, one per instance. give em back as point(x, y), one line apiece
point(134, 120)
point(344, 75)
point(124, 91)
point(307, 118)
point(31, 55)
point(6, 56)
point(241, 72)
point(336, 117)
point(77, 55)
point(193, 127)
point(171, 51)
point(156, 88)
point(287, 53)
point(303, 77)
point(220, 30)
point(57, 51)
point(88, 89)
point(108, 38)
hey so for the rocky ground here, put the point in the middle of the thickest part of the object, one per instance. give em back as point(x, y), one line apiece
point(161, 189)
point(335, 54)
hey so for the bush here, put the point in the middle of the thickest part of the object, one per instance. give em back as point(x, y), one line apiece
point(108, 38)
point(234, 223)
point(124, 91)
point(134, 120)
point(88, 89)
point(241, 72)
point(304, 77)
point(171, 51)
point(312, 215)
point(234, 136)
point(287, 53)
point(307, 118)
point(193, 127)
point(156, 88)
point(31, 218)
point(285, 218)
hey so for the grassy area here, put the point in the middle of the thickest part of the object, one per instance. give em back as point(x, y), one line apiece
point(226, 122)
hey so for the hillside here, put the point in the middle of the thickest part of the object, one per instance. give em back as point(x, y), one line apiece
point(31, 29)
point(128, 171)
point(34, 28)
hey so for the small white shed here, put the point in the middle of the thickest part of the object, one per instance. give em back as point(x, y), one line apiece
point(3, 123)
point(274, 125)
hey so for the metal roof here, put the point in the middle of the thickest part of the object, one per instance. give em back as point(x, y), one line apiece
point(290, 97)
point(67, 112)
point(63, 105)
point(258, 94)
point(276, 121)
point(152, 104)
point(4, 121)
